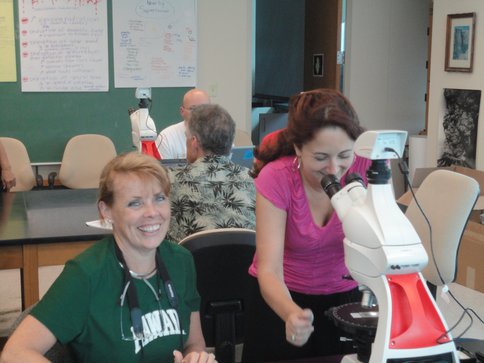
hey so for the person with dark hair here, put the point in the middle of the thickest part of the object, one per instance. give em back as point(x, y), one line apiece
point(131, 297)
point(7, 177)
point(210, 191)
point(299, 267)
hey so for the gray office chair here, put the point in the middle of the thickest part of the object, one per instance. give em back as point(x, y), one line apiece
point(84, 158)
point(59, 353)
point(20, 163)
point(242, 138)
point(222, 259)
point(447, 199)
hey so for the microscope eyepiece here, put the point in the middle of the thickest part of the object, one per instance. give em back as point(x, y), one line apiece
point(354, 177)
point(331, 185)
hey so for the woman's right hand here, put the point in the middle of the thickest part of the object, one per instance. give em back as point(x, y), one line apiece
point(299, 327)
point(193, 357)
point(8, 179)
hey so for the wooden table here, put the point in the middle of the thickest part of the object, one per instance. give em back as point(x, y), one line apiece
point(45, 228)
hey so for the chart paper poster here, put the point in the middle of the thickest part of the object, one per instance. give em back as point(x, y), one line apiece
point(63, 45)
point(155, 43)
point(8, 66)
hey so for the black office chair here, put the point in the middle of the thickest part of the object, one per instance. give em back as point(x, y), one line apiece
point(222, 259)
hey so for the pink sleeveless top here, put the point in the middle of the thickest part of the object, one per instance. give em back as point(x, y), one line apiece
point(313, 255)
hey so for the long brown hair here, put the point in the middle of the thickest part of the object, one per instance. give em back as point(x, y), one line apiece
point(308, 113)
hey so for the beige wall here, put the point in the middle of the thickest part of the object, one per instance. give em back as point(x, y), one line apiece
point(439, 79)
point(385, 75)
point(224, 55)
point(385, 69)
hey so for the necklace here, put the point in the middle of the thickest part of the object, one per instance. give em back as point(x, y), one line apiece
point(142, 276)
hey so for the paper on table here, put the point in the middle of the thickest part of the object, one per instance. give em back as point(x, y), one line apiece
point(99, 224)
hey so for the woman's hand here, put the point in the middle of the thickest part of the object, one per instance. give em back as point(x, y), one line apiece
point(193, 357)
point(8, 179)
point(299, 327)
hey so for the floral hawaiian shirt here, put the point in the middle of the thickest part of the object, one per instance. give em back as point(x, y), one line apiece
point(210, 193)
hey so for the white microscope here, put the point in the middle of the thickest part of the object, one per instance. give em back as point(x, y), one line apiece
point(143, 129)
point(384, 254)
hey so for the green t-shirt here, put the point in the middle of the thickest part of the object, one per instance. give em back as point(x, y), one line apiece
point(82, 308)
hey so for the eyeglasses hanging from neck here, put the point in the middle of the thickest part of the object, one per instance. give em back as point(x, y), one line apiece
point(129, 293)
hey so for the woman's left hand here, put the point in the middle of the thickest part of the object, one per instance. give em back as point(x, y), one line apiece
point(193, 357)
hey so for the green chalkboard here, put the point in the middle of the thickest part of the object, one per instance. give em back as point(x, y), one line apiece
point(44, 122)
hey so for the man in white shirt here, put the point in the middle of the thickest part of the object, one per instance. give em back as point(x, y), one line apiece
point(171, 141)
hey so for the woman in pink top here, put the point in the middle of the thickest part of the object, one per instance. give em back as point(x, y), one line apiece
point(299, 264)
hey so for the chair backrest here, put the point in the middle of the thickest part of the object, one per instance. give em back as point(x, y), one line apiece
point(242, 138)
point(20, 162)
point(84, 158)
point(447, 199)
point(222, 259)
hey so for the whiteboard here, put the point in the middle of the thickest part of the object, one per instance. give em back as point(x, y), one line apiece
point(154, 43)
point(63, 45)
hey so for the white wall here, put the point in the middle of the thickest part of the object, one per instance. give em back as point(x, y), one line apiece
point(439, 79)
point(386, 50)
point(224, 55)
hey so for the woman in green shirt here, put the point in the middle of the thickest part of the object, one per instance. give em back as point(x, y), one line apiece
point(129, 298)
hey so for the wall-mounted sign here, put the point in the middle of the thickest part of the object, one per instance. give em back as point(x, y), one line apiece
point(318, 65)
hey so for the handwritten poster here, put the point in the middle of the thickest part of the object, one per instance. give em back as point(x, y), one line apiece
point(63, 45)
point(8, 68)
point(155, 43)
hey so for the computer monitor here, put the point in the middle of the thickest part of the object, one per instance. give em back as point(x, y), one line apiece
point(268, 122)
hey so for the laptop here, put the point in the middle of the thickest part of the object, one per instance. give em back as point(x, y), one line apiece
point(173, 163)
point(243, 155)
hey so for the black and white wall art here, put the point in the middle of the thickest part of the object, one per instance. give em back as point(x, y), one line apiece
point(461, 116)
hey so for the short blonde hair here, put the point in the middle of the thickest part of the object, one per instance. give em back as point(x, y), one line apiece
point(144, 166)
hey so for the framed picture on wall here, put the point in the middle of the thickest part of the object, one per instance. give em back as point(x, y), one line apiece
point(459, 45)
point(460, 125)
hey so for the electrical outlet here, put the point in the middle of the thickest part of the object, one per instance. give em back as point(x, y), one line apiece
point(213, 90)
